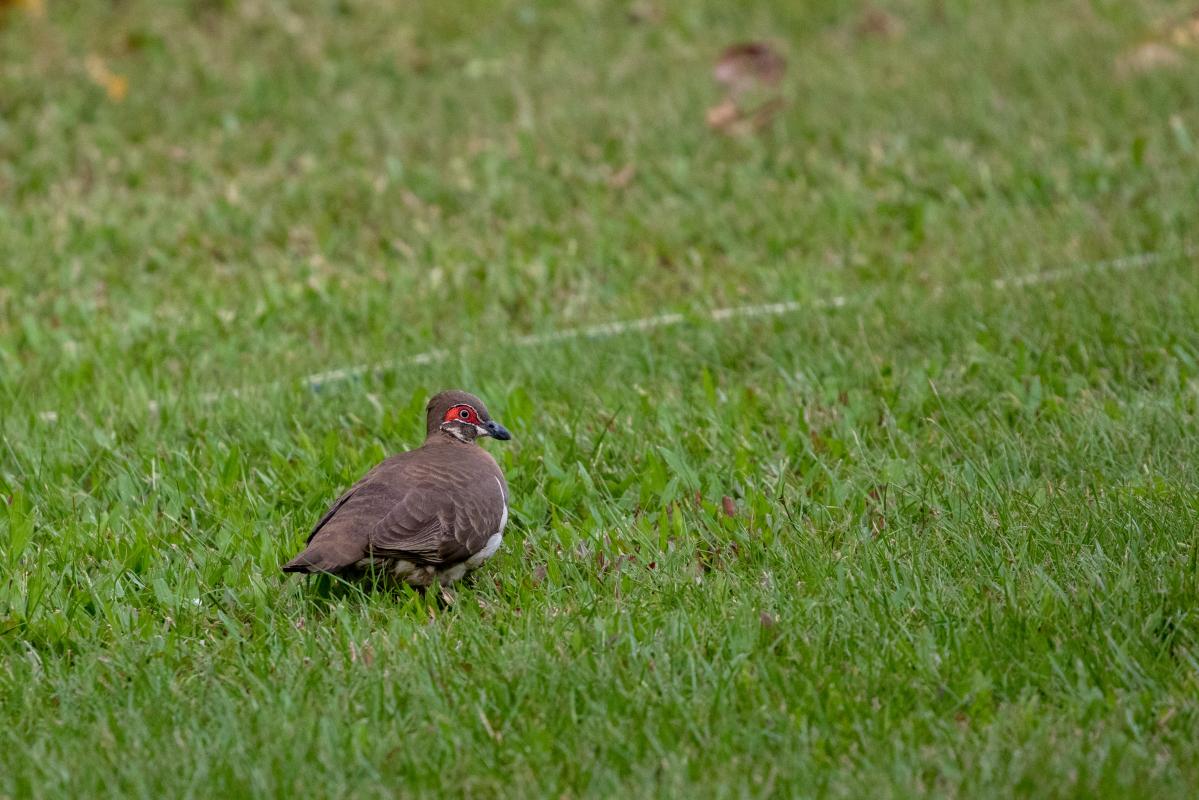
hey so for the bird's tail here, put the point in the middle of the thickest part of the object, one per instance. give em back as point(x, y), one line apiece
point(329, 555)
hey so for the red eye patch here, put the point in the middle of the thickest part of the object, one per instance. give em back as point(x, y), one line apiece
point(463, 413)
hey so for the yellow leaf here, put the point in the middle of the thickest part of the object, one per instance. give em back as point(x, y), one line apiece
point(34, 8)
point(115, 86)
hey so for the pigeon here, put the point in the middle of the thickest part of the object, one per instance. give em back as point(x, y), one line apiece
point(428, 515)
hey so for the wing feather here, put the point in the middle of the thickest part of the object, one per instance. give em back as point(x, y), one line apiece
point(438, 513)
point(436, 528)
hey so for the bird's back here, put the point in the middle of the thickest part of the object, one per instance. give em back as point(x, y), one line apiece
point(437, 505)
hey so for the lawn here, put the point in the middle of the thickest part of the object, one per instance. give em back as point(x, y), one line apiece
point(927, 529)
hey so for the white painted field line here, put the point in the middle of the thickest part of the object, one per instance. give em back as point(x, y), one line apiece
point(1119, 264)
point(620, 327)
point(603, 330)
point(318, 379)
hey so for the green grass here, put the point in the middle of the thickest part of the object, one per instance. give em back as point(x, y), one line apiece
point(963, 561)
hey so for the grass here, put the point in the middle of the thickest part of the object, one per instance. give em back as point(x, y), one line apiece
point(963, 558)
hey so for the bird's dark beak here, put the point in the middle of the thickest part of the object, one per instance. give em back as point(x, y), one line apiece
point(497, 431)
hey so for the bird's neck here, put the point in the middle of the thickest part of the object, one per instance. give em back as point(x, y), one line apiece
point(441, 437)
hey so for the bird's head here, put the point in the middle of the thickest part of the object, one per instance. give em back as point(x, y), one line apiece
point(463, 416)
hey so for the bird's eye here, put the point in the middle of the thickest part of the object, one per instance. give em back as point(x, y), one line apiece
point(464, 414)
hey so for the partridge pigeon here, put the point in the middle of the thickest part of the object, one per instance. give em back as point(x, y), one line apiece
point(430, 514)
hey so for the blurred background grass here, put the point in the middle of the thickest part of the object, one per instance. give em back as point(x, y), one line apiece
point(344, 174)
point(961, 557)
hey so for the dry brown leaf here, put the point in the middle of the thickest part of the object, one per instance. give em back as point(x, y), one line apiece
point(730, 508)
point(729, 119)
point(748, 65)
point(34, 8)
point(1185, 33)
point(1162, 51)
point(879, 23)
point(749, 72)
point(645, 13)
point(723, 115)
point(1147, 57)
point(114, 85)
point(623, 177)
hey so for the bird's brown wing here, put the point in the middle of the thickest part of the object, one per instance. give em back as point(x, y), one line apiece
point(341, 501)
point(394, 513)
point(437, 528)
point(339, 539)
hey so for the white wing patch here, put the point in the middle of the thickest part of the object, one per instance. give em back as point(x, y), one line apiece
point(496, 539)
point(487, 552)
point(504, 499)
